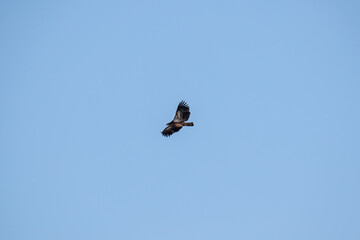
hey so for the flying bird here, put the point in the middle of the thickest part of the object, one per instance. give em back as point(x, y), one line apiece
point(182, 114)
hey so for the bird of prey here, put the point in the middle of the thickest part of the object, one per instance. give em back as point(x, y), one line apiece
point(182, 114)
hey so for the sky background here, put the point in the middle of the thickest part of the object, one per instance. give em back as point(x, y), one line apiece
point(86, 87)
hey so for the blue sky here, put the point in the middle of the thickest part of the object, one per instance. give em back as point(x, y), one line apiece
point(86, 87)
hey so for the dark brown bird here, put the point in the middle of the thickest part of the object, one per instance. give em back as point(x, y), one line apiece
point(182, 114)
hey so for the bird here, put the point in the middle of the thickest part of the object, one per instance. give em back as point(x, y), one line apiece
point(182, 114)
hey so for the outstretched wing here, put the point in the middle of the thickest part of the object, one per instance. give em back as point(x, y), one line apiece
point(170, 130)
point(182, 112)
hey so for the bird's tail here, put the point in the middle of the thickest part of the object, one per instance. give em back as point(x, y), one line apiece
point(188, 124)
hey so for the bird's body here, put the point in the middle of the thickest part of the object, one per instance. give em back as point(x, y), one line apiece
point(182, 115)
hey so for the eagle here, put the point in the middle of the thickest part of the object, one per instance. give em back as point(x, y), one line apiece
point(182, 114)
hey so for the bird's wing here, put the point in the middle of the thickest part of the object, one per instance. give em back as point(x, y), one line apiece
point(182, 112)
point(170, 130)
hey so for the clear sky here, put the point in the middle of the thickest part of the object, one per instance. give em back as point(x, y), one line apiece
point(86, 87)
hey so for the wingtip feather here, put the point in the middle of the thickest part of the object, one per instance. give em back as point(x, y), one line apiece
point(183, 104)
